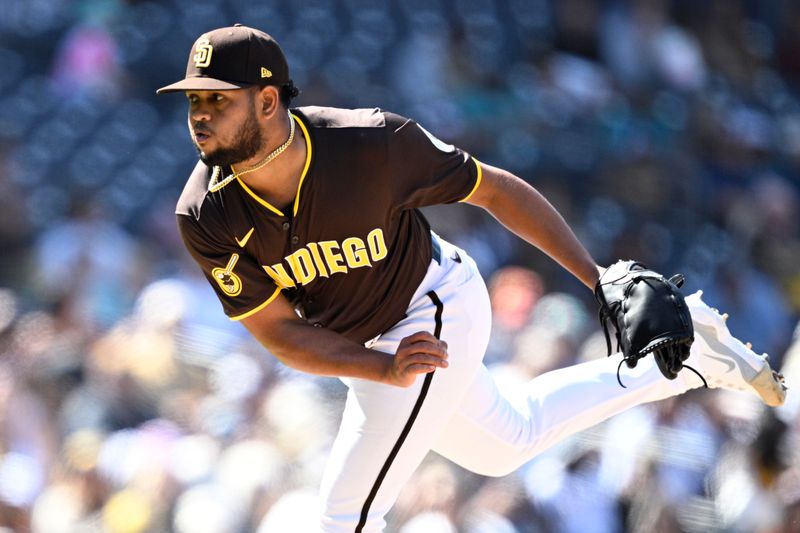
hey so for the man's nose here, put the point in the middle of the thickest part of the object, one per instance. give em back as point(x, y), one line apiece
point(200, 113)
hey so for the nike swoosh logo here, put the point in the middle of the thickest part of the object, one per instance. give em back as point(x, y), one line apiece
point(246, 238)
point(727, 362)
point(709, 335)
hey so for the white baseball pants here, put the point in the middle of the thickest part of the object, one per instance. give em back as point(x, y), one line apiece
point(458, 412)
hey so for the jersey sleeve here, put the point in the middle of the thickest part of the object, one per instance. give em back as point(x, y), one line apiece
point(241, 284)
point(427, 170)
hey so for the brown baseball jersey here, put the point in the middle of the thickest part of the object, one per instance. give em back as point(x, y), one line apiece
point(352, 248)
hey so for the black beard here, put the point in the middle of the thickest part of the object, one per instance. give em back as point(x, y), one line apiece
point(250, 142)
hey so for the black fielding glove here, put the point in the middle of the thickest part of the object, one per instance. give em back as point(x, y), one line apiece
point(648, 313)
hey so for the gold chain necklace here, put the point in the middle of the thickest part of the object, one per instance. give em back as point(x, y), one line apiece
point(214, 186)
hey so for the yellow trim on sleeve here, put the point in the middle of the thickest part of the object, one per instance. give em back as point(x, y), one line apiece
point(257, 309)
point(477, 181)
point(308, 162)
point(258, 199)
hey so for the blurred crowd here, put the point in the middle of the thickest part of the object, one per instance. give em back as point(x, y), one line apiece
point(664, 130)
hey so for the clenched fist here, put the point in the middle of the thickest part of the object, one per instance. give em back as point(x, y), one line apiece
point(419, 353)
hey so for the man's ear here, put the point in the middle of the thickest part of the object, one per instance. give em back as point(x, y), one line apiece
point(269, 100)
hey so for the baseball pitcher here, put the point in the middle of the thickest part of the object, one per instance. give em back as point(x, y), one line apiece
point(305, 221)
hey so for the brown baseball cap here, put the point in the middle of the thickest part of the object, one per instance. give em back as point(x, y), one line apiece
point(232, 58)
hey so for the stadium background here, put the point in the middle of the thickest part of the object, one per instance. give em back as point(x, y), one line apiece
point(667, 131)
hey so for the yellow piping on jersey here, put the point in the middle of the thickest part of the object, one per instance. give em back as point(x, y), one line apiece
point(308, 162)
point(258, 199)
point(477, 181)
point(259, 308)
point(266, 204)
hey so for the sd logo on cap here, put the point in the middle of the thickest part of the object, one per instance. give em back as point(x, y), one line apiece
point(243, 57)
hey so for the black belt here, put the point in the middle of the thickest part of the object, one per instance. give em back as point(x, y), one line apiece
point(436, 249)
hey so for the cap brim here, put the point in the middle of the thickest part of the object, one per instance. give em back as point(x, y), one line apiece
point(200, 83)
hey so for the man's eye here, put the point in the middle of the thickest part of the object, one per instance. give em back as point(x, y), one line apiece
point(218, 98)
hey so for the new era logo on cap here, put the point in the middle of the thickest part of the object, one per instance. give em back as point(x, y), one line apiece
point(242, 57)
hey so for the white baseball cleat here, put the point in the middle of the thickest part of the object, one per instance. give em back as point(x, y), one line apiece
point(725, 362)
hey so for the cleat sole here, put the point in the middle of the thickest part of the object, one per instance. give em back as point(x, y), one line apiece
point(769, 385)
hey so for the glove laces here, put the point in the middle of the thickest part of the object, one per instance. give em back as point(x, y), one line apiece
point(631, 360)
point(636, 358)
point(607, 311)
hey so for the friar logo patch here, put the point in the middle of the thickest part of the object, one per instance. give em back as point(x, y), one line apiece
point(230, 283)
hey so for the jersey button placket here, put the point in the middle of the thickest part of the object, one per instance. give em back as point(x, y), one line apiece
point(295, 239)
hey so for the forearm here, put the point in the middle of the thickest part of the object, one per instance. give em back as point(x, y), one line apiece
point(319, 351)
point(528, 214)
point(326, 353)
